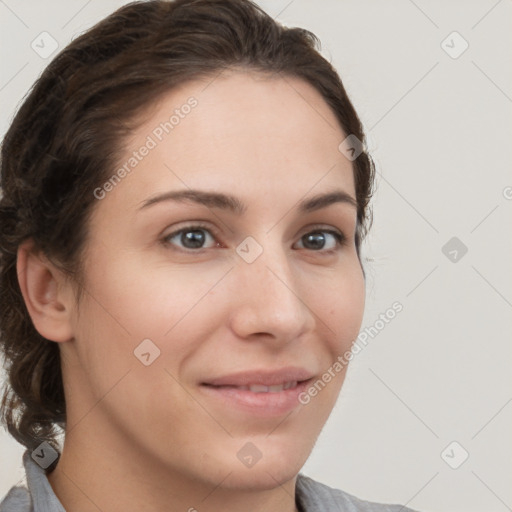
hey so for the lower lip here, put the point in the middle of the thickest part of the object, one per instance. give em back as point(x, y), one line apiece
point(258, 404)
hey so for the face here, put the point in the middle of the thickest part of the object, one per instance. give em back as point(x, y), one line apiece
point(244, 291)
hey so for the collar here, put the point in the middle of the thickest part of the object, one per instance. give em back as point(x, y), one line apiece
point(41, 492)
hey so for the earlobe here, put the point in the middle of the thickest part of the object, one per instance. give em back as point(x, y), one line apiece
point(44, 291)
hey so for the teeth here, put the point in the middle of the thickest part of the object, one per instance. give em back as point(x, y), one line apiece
point(259, 388)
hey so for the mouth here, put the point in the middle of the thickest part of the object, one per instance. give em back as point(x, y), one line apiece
point(259, 393)
point(261, 388)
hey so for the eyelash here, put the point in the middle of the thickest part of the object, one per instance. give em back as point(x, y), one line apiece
point(341, 240)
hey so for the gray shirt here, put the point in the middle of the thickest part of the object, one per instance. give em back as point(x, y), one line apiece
point(311, 496)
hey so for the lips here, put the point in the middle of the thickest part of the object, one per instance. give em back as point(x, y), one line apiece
point(258, 380)
point(263, 393)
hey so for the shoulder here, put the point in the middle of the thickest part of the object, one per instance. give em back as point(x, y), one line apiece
point(17, 500)
point(318, 497)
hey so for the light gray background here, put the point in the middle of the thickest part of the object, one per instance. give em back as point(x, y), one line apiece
point(440, 131)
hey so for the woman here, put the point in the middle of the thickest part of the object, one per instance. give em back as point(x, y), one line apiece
point(186, 189)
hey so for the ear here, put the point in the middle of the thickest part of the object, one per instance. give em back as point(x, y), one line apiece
point(47, 294)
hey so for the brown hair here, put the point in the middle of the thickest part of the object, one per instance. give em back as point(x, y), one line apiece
point(68, 134)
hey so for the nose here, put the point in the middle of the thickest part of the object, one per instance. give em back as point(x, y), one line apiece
point(270, 299)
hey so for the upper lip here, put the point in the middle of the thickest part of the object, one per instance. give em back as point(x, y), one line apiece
point(262, 377)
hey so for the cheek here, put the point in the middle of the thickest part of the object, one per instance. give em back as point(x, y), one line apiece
point(343, 303)
point(124, 305)
point(148, 300)
point(129, 301)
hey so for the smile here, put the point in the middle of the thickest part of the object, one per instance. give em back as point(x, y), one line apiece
point(261, 393)
point(260, 388)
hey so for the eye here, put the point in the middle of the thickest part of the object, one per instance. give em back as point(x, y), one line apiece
point(318, 239)
point(191, 237)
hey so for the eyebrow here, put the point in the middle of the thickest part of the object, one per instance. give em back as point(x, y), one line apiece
point(233, 204)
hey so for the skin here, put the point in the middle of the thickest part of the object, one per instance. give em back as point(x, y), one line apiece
point(146, 437)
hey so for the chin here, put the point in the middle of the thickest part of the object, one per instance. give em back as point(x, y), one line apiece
point(260, 478)
point(273, 464)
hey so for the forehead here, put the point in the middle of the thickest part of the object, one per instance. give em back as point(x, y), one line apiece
point(243, 131)
point(261, 111)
